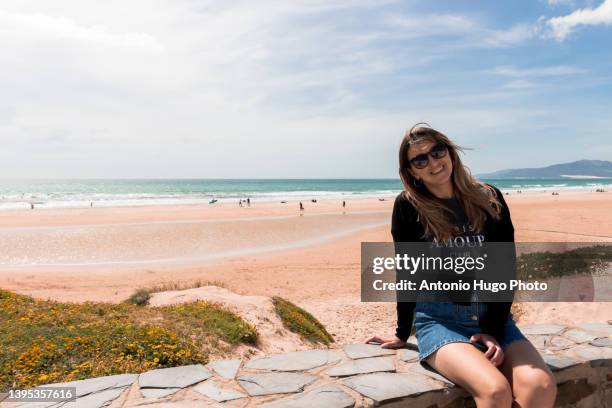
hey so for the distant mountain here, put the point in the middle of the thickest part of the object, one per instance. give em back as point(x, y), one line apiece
point(577, 169)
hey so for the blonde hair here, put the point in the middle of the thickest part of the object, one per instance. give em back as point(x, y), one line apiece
point(477, 198)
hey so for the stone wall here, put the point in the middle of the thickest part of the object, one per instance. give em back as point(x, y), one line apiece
point(356, 375)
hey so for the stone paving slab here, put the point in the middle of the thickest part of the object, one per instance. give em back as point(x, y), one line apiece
point(596, 327)
point(596, 356)
point(92, 392)
point(544, 342)
point(295, 361)
point(91, 385)
point(98, 399)
point(34, 404)
point(328, 396)
point(225, 368)
point(174, 377)
point(539, 341)
point(215, 391)
point(362, 350)
point(275, 383)
point(602, 342)
point(175, 404)
point(580, 336)
point(382, 387)
point(558, 362)
point(429, 372)
point(37, 404)
point(40, 404)
point(559, 342)
point(408, 355)
point(158, 392)
point(362, 366)
point(541, 329)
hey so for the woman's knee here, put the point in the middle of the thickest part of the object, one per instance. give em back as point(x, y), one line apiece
point(495, 389)
point(535, 382)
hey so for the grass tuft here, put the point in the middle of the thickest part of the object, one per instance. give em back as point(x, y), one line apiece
point(300, 321)
point(140, 298)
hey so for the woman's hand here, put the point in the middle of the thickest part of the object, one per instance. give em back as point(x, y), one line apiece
point(494, 351)
point(391, 343)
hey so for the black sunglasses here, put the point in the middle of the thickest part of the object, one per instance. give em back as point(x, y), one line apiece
point(422, 160)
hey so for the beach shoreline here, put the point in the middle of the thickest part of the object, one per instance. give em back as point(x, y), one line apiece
point(84, 194)
point(320, 275)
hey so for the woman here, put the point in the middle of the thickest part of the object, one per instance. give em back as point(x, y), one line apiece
point(441, 202)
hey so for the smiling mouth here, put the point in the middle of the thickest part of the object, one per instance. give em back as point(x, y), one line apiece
point(437, 172)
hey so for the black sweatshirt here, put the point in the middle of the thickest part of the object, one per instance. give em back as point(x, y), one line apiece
point(405, 227)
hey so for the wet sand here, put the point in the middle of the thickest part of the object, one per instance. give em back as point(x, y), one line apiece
point(105, 254)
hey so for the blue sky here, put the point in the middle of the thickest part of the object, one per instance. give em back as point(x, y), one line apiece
point(243, 89)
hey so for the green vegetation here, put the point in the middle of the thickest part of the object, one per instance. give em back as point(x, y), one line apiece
point(140, 298)
point(300, 321)
point(587, 260)
point(47, 341)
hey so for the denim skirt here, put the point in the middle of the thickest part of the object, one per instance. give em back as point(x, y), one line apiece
point(440, 323)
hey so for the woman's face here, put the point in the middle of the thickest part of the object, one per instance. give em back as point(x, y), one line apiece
point(437, 172)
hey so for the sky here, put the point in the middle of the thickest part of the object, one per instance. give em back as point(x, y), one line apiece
point(297, 89)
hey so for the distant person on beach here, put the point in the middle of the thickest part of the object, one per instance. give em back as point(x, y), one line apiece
point(343, 204)
point(31, 206)
point(248, 202)
point(476, 345)
point(91, 204)
point(301, 206)
point(240, 203)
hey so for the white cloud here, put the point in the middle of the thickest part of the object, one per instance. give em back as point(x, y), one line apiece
point(472, 30)
point(431, 25)
point(517, 34)
point(561, 27)
point(519, 84)
point(33, 26)
point(560, 2)
point(550, 71)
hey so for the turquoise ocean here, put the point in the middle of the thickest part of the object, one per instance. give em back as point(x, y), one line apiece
point(81, 193)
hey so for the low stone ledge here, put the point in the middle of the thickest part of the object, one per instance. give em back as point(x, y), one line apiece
point(359, 375)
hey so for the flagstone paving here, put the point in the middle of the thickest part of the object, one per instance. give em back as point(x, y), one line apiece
point(355, 375)
point(225, 368)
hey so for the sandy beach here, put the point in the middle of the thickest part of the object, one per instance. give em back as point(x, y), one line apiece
point(312, 258)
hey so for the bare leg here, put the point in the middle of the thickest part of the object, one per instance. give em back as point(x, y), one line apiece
point(531, 380)
point(466, 366)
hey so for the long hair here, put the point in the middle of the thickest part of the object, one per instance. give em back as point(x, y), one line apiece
point(477, 198)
